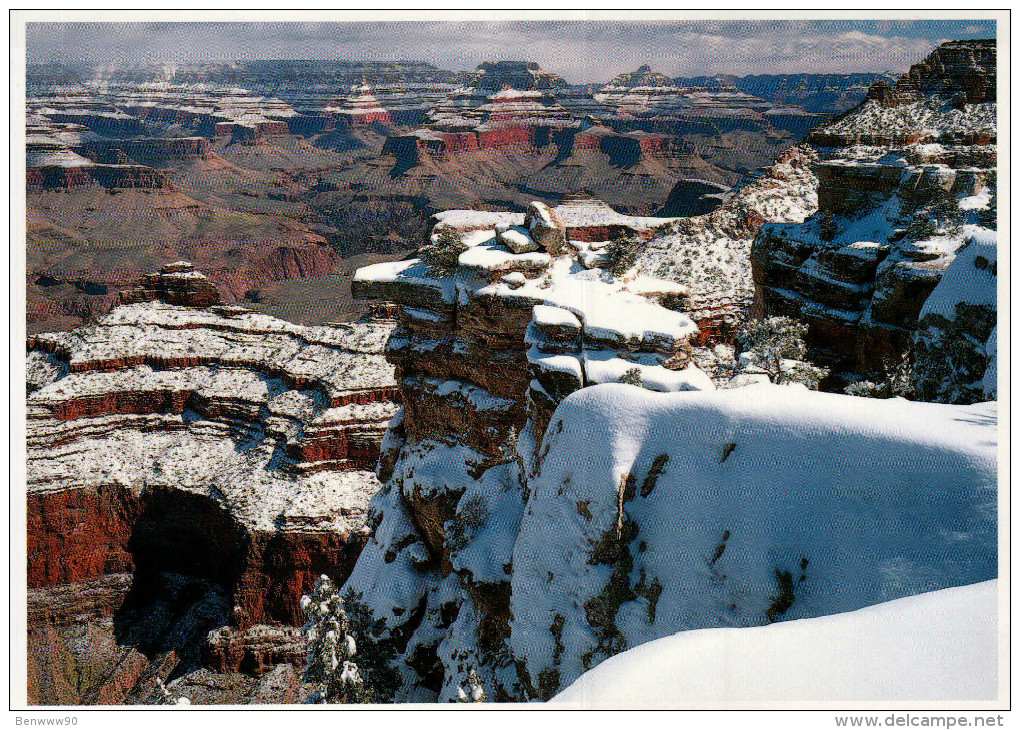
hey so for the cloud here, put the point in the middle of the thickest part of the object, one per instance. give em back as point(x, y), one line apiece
point(582, 52)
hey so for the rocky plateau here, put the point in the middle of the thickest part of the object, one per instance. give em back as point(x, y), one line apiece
point(193, 466)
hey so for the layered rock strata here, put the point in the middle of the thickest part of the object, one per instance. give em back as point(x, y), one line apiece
point(903, 184)
point(651, 101)
point(520, 533)
point(484, 352)
point(177, 283)
point(67, 156)
point(226, 448)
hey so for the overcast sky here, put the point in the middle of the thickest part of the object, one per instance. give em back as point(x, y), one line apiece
point(582, 52)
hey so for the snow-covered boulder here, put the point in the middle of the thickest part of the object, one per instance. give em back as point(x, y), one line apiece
point(545, 227)
point(516, 239)
point(656, 513)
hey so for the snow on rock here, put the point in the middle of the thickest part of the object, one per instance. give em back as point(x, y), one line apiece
point(782, 504)
point(515, 279)
point(601, 366)
point(548, 317)
point(940, 646)
point(463, 220)
point(933, 118)
point(499, 259)
point(954, 344)
point(415, 280)
point(516, 238)
point(485, 351)
point(904, 181)
point(545, 227)
point(710, 254)
point(218, 419)
point(521, 529)
point(969, 280)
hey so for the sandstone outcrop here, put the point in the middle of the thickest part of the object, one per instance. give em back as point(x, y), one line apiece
point(202, 441)
point(177, 283)
point(484, 352)
point(903, 184)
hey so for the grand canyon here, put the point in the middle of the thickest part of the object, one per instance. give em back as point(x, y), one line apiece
point(534, 375)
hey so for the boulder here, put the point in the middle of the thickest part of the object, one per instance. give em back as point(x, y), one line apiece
point(516, 238)
point(545, 227)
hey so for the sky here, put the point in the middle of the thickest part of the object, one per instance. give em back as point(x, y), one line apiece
point(580, 51)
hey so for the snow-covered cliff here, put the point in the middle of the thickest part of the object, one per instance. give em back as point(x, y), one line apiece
point(533, 522)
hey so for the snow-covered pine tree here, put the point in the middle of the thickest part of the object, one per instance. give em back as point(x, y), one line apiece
point(776, 346)
point(443, 249)
point(168, 697)
point(475, 691)
point(897, 381)
point(632, 377)
point(621, 254)
point(331, 647)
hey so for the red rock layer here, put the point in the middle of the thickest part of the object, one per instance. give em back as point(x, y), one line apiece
point(109, 176)
point(176, 283)
point(83, 535)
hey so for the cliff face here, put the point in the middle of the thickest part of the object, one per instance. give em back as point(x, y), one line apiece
point(710, 254)
point(955, 350)
point(213, 446)
point(519, 531)
point(484, 352)
point(905, 181)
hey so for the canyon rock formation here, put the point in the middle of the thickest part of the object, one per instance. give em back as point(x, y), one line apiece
point(906, 181)
point(519, 534)
point(263, 172)
point(194, 466)
point(517, 464)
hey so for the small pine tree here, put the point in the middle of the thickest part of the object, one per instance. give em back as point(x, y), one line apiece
point(945, 208)
point(897, 381)
point(475, 692)
point(776, 345)
point(827, 226)
point(632, 377)
point(942, 215)
point(443, 250)
point(621, 254)
point(989, 217)
point(331, 646)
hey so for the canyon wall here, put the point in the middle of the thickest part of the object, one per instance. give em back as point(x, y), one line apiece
point(198, 444)
point(905, 182)
point(519, 531)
